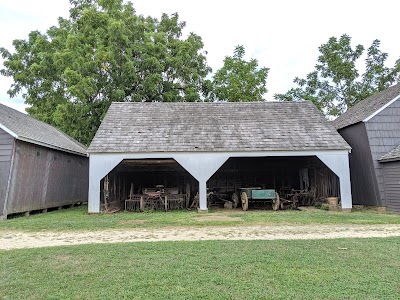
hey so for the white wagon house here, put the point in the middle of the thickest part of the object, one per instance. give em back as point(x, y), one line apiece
point(203, 154)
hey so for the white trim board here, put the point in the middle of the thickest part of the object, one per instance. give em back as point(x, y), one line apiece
point(138, 155)
point(382, 108)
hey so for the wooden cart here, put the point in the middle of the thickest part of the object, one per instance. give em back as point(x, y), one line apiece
point(258, 195)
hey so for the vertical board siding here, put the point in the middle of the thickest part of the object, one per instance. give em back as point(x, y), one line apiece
point(391, 174)
point(44, 178)
point(383, 132)
point(6, 148)
point(364, 186)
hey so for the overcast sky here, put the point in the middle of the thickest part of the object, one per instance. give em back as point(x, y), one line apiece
point(283, 35)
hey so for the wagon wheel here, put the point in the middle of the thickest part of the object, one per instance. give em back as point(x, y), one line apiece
point(245, 201)
point(275, 205)
point(235, 200)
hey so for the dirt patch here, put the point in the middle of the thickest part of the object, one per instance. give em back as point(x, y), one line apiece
point(132, 222)
point(218, 218)
point(19, 239)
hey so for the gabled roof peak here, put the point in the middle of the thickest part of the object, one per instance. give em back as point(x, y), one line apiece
point(364, 110)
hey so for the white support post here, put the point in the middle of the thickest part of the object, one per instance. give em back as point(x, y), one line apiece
point(339, 164)
point(94, 195)
point(202, 166)
point(203, 196)
point(345, 189)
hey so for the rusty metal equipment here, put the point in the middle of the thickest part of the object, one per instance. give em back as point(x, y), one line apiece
point(158, 198)
point(258, 195)
point(297, 197)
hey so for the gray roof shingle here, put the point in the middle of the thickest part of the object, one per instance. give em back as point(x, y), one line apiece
point(31, 130)
point(367, 107)
point(219, 127)
point(391, 155)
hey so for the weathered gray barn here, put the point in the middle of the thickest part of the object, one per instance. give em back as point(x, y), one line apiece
point(40, 166)
point(372, 129)
point(391, 178)
point(208, 145)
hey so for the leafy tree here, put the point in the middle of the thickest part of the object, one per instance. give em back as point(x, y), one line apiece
point(103, 52)
point(336, 85)
point(238, 80)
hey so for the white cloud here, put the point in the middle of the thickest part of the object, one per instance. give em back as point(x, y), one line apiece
point(283, 35)
point(17, 104)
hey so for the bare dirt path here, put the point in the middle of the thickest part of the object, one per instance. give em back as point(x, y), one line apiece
point(18, 239)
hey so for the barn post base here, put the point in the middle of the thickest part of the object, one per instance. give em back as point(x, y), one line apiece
point(346, 209)
point(202, 210)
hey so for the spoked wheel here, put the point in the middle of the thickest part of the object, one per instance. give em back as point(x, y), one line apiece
point(235, 200)
point(245, 201)
point(275, 205)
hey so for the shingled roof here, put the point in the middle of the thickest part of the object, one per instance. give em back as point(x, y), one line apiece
point(217, 127)
point(367, 107)
point(391, 155)
point(28, 129)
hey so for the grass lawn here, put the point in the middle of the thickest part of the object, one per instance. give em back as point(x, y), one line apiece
point(301, 269)
point(77, 219)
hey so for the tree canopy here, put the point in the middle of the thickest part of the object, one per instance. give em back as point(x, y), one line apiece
point(336, 84)
point(104, 52)
point(239, 80)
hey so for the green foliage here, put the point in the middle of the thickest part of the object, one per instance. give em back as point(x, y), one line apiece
point(336, 85)
point(239, 80)
point(103, 52)
point(301, 269)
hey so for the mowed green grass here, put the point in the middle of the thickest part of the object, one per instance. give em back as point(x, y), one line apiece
point(301, 269)
point(77, 219)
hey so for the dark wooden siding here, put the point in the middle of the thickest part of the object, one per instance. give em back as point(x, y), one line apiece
point(364, 186)
point(383, 132)
point(6, 148)
point(391, 174)
point(44, 178)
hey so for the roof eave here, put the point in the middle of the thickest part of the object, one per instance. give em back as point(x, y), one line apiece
point(117, 151)
point(384, 160)
point(340, 128)
point(49, 146)
point(10, 132)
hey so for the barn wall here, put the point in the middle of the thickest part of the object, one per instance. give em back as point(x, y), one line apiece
point(44, 178)
point(383, 132)
point(391, 173)
point(6, 148)
point(364, 185)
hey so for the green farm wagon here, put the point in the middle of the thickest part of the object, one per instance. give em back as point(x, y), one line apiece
point(259, 196)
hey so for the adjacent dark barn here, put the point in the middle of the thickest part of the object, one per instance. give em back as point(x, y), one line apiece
point(391, 176)
point(40, 166)
point(372, 129)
